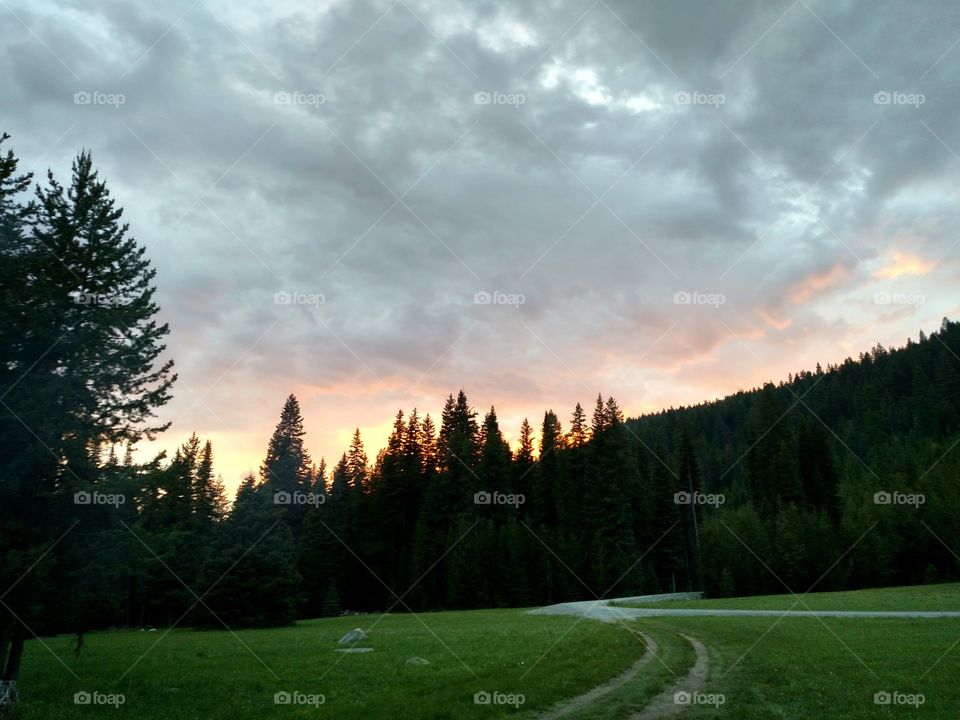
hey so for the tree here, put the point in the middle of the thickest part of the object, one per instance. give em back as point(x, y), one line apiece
point(287, 465)
point(578, 428)
point(494, 469)
point(357, 463)
point(209, 497)
point(80, 370)
point(547, 483)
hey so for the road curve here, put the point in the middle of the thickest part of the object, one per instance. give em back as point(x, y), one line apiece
point(610, 611)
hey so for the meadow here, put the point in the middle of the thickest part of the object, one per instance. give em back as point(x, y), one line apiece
point(847, 668)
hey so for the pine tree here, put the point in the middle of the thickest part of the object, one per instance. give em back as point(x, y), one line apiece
point(547, 482)
point(209, 500)
point(600, 420)
point(83, 323)
point(523, 464)
point(494, 469)
point(287, 465)
point(578, 428)
point(357, 463)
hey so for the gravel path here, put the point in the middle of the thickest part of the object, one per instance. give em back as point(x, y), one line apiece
point(610, 611)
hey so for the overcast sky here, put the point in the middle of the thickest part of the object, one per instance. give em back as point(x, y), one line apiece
point(665, 201)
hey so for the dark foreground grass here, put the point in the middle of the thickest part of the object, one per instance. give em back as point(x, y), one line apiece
point(212, 674)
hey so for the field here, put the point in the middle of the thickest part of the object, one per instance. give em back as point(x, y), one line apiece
point(758, 667)
point(213, 674)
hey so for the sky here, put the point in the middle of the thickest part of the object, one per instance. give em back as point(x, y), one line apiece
point(374, 204)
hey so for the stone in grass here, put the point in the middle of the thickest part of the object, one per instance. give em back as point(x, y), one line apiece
point(353, 650)
point(417, 661)
point(354, 636)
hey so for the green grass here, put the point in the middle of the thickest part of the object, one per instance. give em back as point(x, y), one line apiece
point(919, 597)
point(212, 674)
point(832, 667)
point(802, 668)
point(765, 667)
point(676, 656)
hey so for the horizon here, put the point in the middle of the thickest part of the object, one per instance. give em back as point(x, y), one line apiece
point(510, 424)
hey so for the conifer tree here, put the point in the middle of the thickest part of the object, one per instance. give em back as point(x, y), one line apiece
point(78, 313)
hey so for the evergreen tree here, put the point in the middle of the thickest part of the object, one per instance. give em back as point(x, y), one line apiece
point(287, 465)
point(578, 428)
point(79, 370)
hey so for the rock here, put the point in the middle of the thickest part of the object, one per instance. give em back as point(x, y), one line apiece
point(417, 661)
point(354, 636)
point(353, 650)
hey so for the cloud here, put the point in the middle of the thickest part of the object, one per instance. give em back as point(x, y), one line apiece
point(378, 155)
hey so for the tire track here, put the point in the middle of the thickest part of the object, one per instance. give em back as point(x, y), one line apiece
point(591, 696)
point(664, 705)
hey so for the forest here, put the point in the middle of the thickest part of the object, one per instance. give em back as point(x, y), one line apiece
point(836, 477)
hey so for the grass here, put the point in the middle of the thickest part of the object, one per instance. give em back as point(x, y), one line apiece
point(802, 668)
point(211, 674)
point(764, 667)
point(831, 667)
point(918, 597)
point(676, 656)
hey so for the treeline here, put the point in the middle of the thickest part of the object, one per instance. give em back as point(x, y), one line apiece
point(772, 490)
point(836, 478)
point(445, 516)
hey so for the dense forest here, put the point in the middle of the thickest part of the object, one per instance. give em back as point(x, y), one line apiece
point(835, 478)
point(772, 490)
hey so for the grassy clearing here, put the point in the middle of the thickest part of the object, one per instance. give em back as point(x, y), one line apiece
point(802, 668)
point(764, 667)
point(919, 597)
point(209, 674)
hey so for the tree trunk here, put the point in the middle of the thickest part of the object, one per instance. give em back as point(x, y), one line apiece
point(12, 668)
point(4, 642)
point(8, 680)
